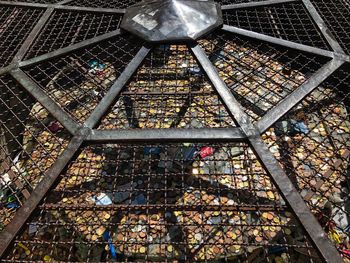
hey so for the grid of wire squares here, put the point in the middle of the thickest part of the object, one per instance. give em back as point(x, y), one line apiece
point(231, 149)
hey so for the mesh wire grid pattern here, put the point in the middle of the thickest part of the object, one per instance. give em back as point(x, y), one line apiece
point(289, 21)
point(312, 144)
point(78, 81)
point(154, 202)
point(168, 91)
point(31, 141)
point(336, 14)
point(186, 201)
point(65, 28)
point(259, 75)
point(15, 25)
point(104, 4)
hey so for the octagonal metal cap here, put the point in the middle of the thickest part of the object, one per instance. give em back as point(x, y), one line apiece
point(172, 20)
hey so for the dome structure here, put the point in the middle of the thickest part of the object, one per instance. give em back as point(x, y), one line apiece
point(174, 131)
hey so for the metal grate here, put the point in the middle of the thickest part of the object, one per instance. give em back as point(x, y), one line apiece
point(232, 148)
point(290, 21)
point(31, 141)
point(16, 24)
point(312, 144)
point(168, 91)
point(104, 4)
point(73, 80)
point(259, 75)
point(335, 14)
point(157, 202)
point(65, 28)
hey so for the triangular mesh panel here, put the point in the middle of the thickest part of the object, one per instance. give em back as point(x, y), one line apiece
point(78, 81)
point(168, 91)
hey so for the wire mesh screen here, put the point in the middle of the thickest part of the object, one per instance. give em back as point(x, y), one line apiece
point(150, 202)
point(259, 75)
point(289, 21)
point(312, 144)
point(16, 24)
point(168, 91)
point(65, 28)
point(31, 141)
point(233, 147)
point(78, 81)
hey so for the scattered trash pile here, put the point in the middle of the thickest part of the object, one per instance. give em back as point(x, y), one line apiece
point(186, 201)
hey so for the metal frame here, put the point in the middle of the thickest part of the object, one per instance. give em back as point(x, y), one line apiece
point(247, 131)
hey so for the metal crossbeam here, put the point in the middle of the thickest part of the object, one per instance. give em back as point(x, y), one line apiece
point(168, 135)
point(255, 4)
point(65, 50)
point(285, 43)
point(312, 227)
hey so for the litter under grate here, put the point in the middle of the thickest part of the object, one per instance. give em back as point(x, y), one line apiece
point(31, 141)
point(163, 201)
point(231, 148)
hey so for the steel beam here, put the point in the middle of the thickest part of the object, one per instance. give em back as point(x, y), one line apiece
point(323, 27)
point(167, 207)
point(272, 116)
point(24, 4)
point(114, 91)
point(52, 107)
point(286, 43)
point(7, 69)
point(90, 9)
point(167, 135)
point(310, 224)
point(65, 7)
point(65, 50)
point(255, 4)
point(32, 35)
point(23, 213)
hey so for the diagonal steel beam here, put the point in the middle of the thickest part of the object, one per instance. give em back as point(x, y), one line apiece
point(66, 7)
point(272, 116)
point(32, 35)
point(7, 69)
point(118, 85)
point(255, 4)
point(162, 135)
point(312, 227)
point(52, 107)
point(23, 213)
point(90, 9)
point(322, 26)
point(24, 4)
point(65, 50)
point(286, 43)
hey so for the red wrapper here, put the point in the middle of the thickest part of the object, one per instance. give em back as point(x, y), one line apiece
point(206, 151)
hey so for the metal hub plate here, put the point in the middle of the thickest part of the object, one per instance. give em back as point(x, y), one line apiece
point(172, 20)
